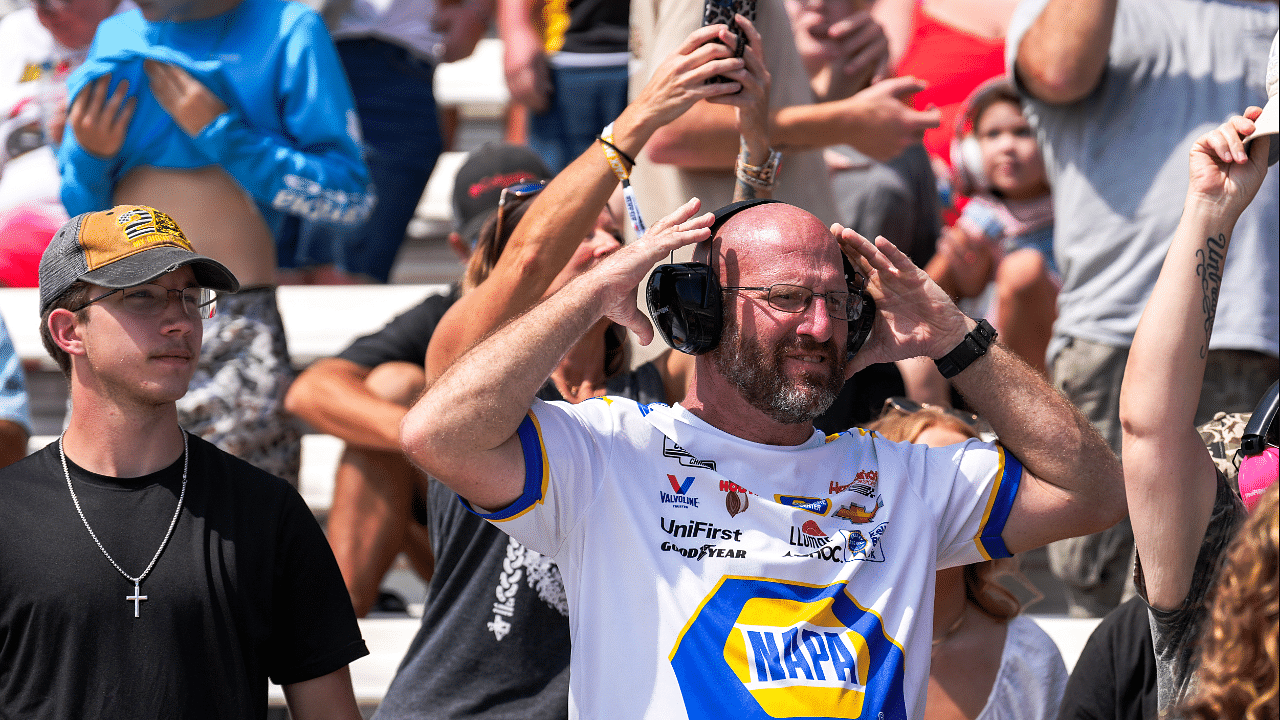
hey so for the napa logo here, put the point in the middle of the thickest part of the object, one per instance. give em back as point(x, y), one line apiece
point(679, 496)
point(817, 506)
point(762, 648)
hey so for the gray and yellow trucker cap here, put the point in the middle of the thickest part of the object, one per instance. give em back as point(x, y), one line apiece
point(122, 247)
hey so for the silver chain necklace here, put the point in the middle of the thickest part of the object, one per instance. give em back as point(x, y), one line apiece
point(137, 597)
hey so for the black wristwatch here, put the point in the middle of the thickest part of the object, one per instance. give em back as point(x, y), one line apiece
point(973, 346)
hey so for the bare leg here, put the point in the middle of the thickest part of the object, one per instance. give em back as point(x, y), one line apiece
point(1026, 303)
point(370, 517)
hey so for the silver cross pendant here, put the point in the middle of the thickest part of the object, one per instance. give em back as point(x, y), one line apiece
point(137, 597)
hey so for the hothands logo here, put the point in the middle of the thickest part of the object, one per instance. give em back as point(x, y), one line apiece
point(864, 483)
point(817, 506)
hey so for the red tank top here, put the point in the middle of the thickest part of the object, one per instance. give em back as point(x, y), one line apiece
point(953, 62)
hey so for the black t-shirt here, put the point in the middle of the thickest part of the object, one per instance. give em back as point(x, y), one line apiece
point(247, 589)
point(598, 26)
point(405, 338)
point(1115, 675)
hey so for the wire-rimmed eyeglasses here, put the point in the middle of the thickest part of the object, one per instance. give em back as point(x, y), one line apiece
point(840, 304)
point(150, 300)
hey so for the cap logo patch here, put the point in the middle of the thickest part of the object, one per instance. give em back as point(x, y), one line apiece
point(138, 224)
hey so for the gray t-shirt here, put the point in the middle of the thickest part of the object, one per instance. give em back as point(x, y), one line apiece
point(1117, 161)
point(1175, 634)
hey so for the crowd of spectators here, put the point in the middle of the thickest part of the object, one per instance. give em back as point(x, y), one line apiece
point(935, 173)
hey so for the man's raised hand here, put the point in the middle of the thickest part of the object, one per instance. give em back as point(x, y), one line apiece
point(914, 317)
point(620, 274)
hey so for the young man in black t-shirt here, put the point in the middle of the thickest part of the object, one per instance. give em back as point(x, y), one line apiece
point(145, 573)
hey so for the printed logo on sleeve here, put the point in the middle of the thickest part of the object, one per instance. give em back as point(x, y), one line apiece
point(762, 648)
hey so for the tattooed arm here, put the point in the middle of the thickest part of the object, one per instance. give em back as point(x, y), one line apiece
point(1169, 479)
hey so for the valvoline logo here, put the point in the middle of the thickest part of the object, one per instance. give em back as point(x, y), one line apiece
point(681, 488)
point(817, 506)
point(762, 648)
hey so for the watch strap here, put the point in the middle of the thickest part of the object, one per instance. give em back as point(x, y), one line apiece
point(973, 346)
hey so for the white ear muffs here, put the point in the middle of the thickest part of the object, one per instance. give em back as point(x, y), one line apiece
point(967, 177)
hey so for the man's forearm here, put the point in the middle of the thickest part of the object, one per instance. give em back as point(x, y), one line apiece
point(1054, 441)
point(1062, 55)
point(332, 397)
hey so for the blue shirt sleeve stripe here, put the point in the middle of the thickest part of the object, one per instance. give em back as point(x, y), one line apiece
point(990, 539)
point(535, 473)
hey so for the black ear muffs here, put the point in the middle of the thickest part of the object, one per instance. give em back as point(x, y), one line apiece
point(686, 305)
point(684, 299)
point(859, 327)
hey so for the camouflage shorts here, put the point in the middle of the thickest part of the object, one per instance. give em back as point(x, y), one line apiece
point(236, 398)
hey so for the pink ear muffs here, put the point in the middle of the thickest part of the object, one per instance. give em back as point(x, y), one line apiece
point(1260, 460)
point(1257, 473)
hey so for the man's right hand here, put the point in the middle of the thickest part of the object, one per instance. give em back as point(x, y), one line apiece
point(100, 122)
point(885, 124)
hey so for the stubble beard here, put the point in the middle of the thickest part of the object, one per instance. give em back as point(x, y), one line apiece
point(762, 382)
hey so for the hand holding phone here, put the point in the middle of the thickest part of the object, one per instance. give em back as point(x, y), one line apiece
point(724, 12)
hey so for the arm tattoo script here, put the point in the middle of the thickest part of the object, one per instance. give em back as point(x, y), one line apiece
point(1209, 270)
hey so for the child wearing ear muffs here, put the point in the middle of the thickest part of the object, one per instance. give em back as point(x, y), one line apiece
point(999, 254)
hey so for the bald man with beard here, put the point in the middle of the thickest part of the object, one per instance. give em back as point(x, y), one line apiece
point(722, 558)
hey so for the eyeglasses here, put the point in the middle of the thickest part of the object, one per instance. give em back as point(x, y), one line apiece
point(519, 190)
point(908, 406)
point(151, 300)
point(841, 304)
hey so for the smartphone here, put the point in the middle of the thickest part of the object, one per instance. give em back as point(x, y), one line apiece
point(723, 12)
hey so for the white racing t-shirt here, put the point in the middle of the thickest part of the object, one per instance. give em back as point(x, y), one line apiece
point(712, 577)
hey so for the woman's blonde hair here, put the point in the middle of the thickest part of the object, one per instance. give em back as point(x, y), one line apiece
point(981, 579)
point(1238, 655)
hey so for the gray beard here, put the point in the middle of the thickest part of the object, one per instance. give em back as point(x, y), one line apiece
point(760, 380)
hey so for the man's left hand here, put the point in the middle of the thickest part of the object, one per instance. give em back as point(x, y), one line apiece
point(192, 105)
point(914, 317)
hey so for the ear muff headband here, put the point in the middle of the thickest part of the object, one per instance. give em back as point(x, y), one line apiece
point(687, 307)
point(1253, 441)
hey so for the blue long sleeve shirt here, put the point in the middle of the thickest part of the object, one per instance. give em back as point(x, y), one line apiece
point(290, 135)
